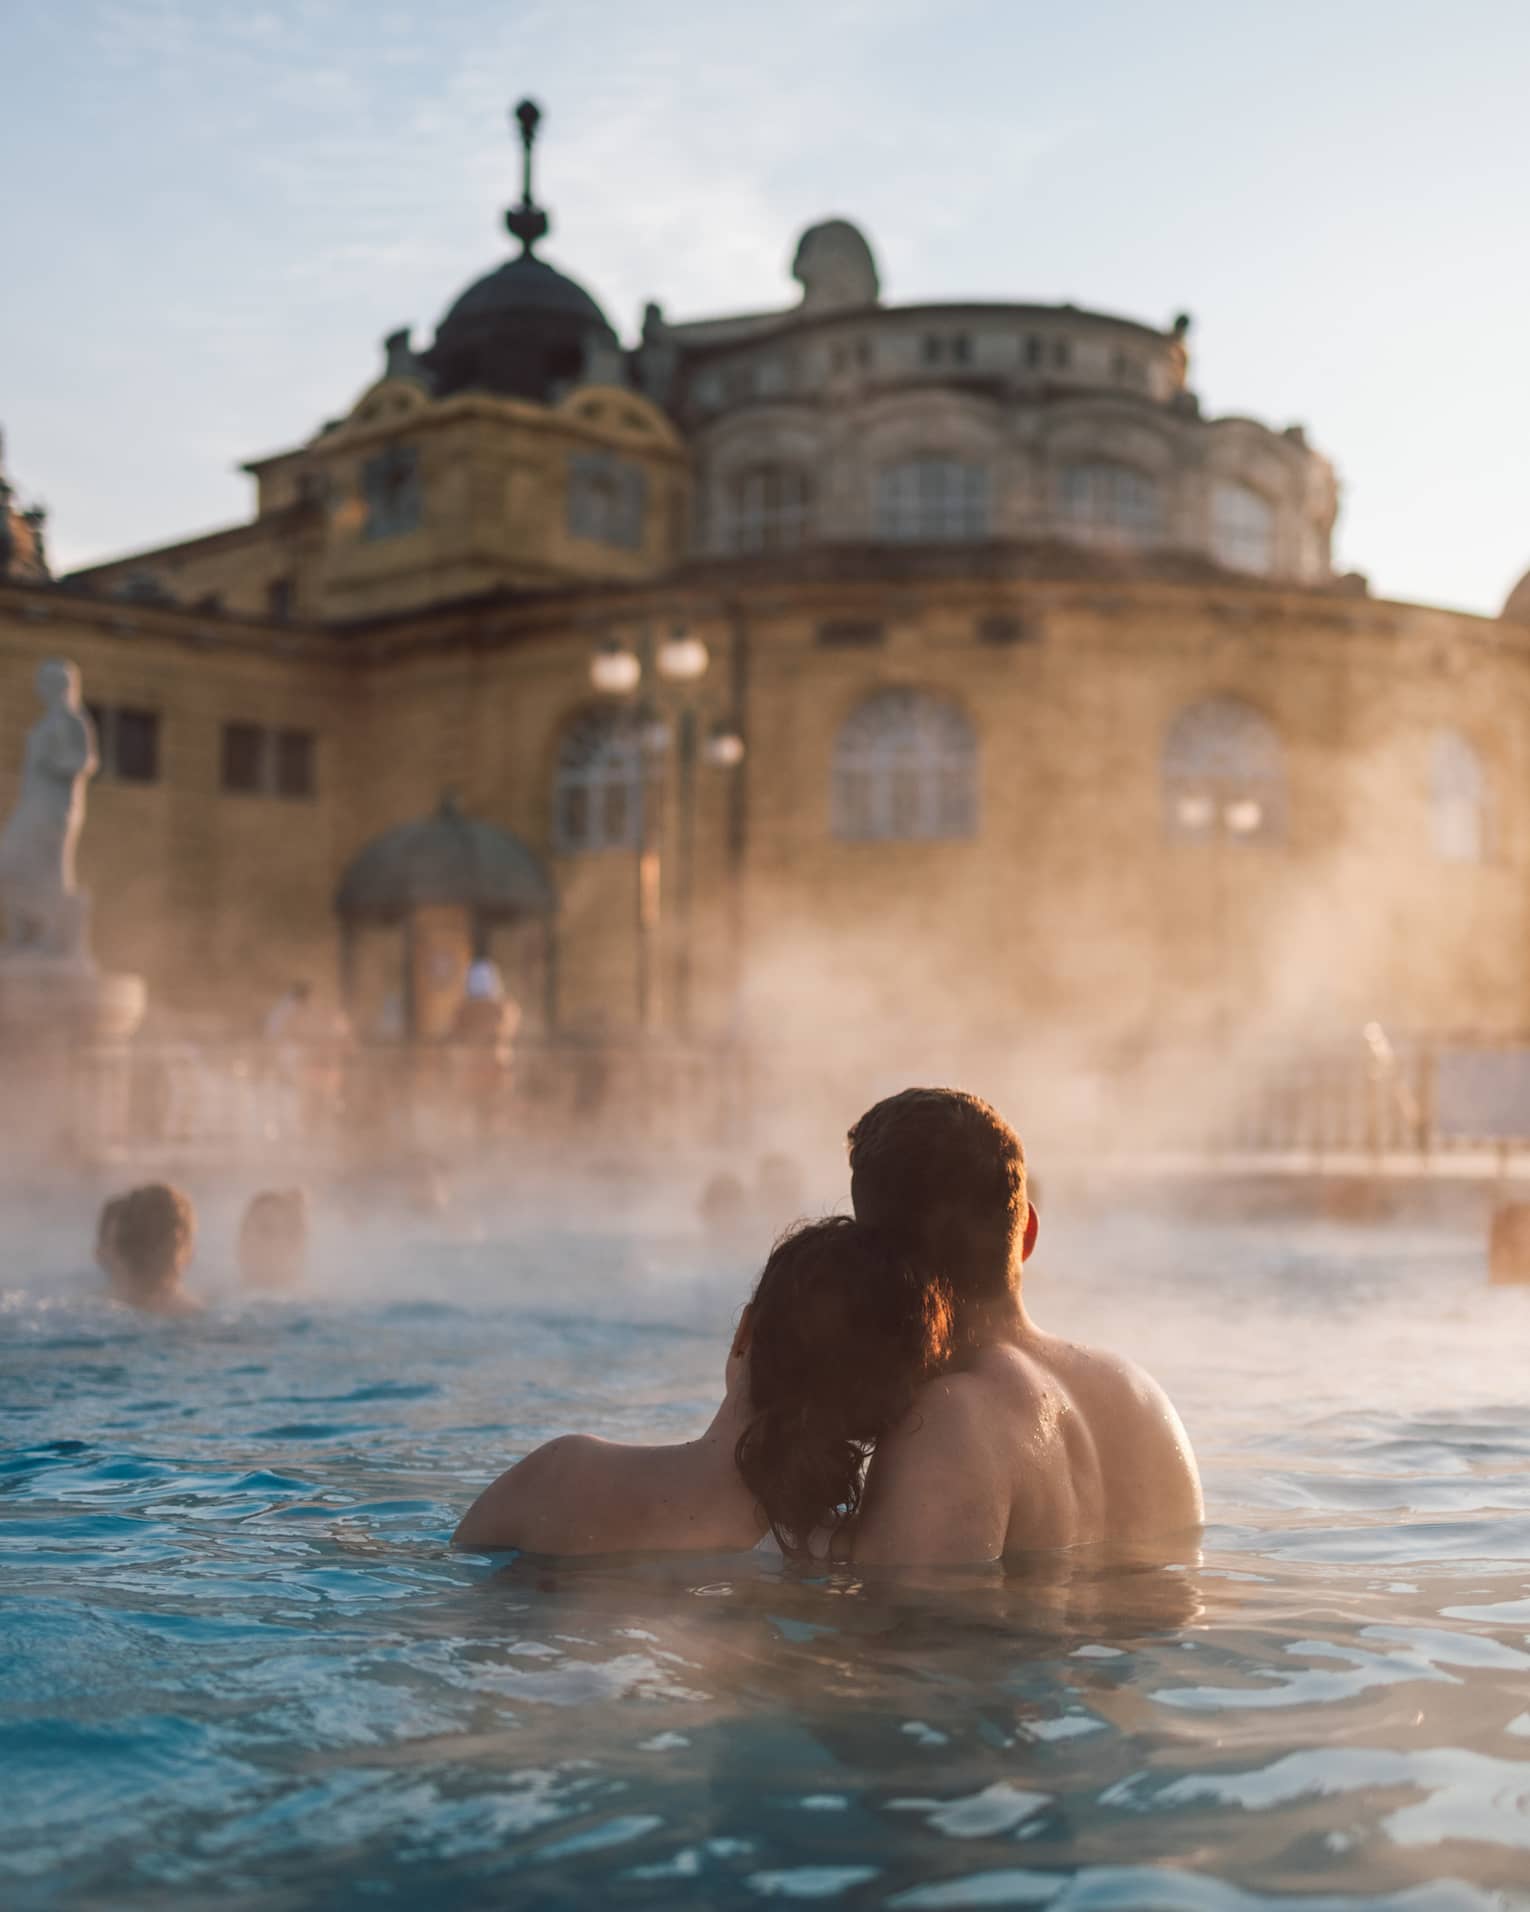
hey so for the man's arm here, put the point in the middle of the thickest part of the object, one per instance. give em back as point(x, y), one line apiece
point(934, 1496)
point(531, 1505)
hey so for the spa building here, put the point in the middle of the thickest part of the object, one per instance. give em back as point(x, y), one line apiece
point(786, 675)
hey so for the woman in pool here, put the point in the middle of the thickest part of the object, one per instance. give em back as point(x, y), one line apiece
point(836, 1340)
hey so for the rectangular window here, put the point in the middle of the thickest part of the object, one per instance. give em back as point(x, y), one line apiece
point(1061, 354)
point(930, 349)
point(1035, 348)
point(961, 349)
point(127, 742)
point(1000, 629)
point(849, 631)
point(279, 598)
point(392, 493)
point(243, 749)
point(260, 762)
point(607, 499)
point(294, 763)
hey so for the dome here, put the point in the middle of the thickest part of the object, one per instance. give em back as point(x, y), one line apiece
point(524, 330)
point(447, 858)
point(1516, 606)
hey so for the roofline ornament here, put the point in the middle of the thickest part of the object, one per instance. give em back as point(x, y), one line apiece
point(526, 220)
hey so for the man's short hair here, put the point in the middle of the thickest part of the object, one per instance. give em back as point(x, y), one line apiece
point(152, 1231)
point(944, 1173)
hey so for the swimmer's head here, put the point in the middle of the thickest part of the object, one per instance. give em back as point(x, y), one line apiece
point(273, 1239)
point(145, 1243)
point(839, 1335)
point(943, 1174)
point(722, 1207)
point(106, 1237)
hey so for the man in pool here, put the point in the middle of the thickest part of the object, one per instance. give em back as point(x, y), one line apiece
point(1025, 1441)
point(144, 1241)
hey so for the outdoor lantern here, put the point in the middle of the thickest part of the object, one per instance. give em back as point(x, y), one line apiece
point(615, 670)
point(682, 658)
point(1244, 817)
point(724, 748)
point(1195, 812)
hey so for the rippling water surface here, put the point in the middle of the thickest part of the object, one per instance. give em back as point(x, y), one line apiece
point(239, 1664)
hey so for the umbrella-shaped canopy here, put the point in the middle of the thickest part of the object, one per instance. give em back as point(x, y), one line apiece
point(447, 858)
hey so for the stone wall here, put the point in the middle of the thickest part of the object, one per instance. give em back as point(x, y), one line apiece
point(1072, 915)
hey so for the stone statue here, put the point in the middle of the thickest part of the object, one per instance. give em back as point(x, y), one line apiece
point(835, 268)
point(45, 914)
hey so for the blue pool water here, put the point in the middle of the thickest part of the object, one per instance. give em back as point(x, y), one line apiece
point(239, 1664)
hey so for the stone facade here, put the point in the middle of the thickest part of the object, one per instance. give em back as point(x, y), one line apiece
point(1058, 724)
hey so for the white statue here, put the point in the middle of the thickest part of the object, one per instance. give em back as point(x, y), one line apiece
point(44, 912)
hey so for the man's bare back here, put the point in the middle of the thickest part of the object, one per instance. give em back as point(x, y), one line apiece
point(1040, 1443)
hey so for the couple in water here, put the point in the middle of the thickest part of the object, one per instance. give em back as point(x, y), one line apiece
point(887, 1399)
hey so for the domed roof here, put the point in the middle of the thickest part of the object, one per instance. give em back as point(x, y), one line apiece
point(525, 329)
point(526, 284)
point(447, 858)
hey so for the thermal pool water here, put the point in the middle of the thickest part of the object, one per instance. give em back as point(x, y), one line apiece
point(240, 1665)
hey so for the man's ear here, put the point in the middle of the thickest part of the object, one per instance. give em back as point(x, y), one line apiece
point(741, 1333)
point(1032, 1225)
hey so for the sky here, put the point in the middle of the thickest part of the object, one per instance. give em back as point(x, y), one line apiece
point(215, 211)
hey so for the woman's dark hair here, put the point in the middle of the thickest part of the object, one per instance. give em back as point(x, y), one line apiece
point(843, 1331)
point(151, 1230)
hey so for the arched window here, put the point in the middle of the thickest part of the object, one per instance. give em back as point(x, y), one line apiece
point(905, 767)
point(1109, 501)
point(1242, 528)
point(766, 508)
point(607, 498)
point(598, 784)
point(1459, 800)
point(1223, 774)
point(932, 499)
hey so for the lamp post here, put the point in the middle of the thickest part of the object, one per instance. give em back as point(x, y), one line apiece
point(656, 674)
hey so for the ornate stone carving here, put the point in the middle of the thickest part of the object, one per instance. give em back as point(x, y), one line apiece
point(45, 914)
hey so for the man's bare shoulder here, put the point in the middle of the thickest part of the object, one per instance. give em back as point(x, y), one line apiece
point(937, 1488)
point(952, 1416)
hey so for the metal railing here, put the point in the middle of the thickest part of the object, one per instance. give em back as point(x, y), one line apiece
point(211, 1101)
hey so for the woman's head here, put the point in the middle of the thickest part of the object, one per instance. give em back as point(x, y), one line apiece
point(144, 1241)
point(273, 1239)
point(838, 1337)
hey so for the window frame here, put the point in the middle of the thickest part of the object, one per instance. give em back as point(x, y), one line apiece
point(109, 721)
point(1460, 792)
point(264, 769)
point(1220, 753)
point(905, 768)
point(1228, 538)
point(1121, 503)
point(599, 758)
point(932, 497)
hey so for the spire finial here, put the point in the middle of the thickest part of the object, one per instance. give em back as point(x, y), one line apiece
point(526, 220)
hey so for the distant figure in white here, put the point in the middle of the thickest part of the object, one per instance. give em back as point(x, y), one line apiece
point(44, 912)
